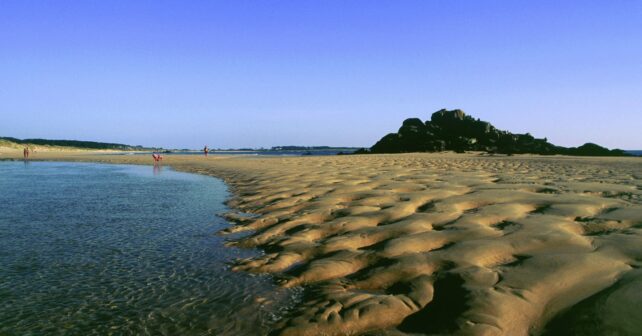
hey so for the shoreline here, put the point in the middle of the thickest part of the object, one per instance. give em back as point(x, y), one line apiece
point(132, 224)
point(498, 245)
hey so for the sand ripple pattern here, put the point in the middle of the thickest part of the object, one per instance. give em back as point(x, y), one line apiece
point(444, 244)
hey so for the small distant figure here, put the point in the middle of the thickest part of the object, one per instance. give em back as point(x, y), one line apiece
point(25, 153)
point(206, 150)
point(158, 159)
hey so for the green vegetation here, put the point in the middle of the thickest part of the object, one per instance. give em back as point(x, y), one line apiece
point(13, 142)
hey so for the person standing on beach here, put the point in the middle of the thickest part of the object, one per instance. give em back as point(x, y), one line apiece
point(206, 150)
point(25, 152)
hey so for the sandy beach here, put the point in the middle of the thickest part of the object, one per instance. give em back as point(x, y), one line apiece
point(436, 243)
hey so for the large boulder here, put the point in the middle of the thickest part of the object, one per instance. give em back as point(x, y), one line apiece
point(445, 116)
point(412, 127)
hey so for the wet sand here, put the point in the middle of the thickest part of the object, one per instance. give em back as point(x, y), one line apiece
point(438, 243)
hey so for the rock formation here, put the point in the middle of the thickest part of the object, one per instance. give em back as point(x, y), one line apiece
point(456, 131)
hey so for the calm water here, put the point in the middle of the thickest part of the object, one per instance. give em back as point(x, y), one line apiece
point(316, 152)
point(125, 250)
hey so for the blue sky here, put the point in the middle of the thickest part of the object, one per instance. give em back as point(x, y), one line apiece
point(181, 74)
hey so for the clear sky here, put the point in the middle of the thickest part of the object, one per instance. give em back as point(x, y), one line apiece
point(181, 74)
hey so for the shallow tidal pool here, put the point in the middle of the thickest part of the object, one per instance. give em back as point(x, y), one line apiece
point(93, 249)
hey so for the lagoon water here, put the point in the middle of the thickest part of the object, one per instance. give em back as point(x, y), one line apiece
point(90, 249)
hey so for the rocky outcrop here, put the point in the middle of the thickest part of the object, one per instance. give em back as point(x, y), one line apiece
point(456, 131)
point(591, 149)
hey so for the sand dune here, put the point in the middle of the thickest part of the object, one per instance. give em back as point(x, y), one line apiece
point(441, 243)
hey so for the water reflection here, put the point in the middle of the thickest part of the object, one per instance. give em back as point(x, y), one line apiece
point(157, 169)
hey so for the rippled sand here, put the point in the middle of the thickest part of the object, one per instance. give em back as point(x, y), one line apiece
point(442, 243)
